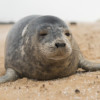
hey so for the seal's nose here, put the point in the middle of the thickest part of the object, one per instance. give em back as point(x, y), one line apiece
point(58, 45)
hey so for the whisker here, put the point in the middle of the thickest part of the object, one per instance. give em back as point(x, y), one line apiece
point(76, 50)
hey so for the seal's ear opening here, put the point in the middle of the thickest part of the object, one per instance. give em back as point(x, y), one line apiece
point(67, 33)
point(43, 33)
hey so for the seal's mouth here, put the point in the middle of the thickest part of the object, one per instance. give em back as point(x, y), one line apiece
point(58, 57)
point(59, 53)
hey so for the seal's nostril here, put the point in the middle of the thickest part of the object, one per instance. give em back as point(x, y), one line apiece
point(60, 45)
point(57, 45)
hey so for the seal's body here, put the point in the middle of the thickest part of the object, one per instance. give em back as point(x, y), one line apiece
point(42, 48)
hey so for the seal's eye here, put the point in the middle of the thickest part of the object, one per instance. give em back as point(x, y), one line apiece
point(67, 34)
point(43, 33)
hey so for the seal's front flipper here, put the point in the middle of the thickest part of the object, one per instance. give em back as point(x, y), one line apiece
point(88, 65)
point(10, 75)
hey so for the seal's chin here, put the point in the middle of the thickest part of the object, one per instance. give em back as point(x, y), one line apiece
point(58, 57)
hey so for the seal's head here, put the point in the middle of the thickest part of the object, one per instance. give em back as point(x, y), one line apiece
point(53, 38)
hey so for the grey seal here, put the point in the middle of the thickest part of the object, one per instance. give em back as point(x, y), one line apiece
point(42, 48)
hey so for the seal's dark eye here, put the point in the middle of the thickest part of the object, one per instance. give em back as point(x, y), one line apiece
point(67, 34)
point(43, 33)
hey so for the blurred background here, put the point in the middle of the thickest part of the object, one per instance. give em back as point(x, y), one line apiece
point(69, 10)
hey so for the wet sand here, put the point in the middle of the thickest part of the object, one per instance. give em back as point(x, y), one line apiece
point(80, 86)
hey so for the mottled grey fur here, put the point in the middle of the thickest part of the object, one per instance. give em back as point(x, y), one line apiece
point(32, 50)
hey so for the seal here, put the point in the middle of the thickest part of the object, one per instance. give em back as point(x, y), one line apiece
point(42, 48)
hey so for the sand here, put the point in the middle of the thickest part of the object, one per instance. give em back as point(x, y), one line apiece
point(80, 86)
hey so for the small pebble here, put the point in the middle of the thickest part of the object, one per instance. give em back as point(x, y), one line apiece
point(77, 91)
